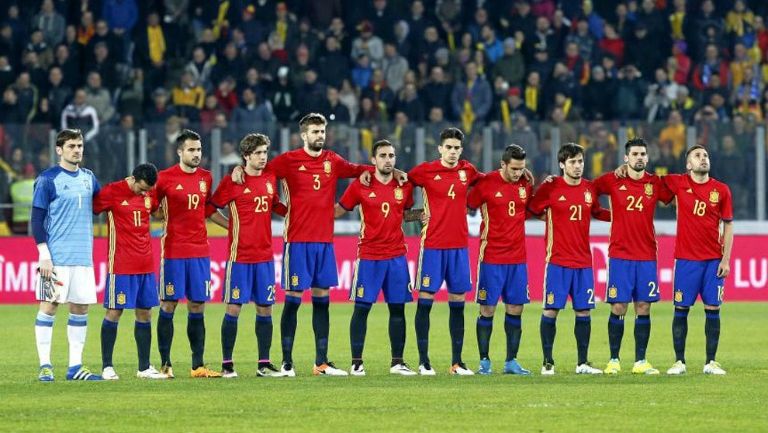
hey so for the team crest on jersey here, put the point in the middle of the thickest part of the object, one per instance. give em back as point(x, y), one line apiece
point(587, 197)
point(327, 167)
point(87, 184)
point(678, 296)
point(425, 281)
point(121, 299)
point(147, 202)
point(360, 292)
point(203, 186)
point(550, 298)
point(648, 189)
point(522, 193)
point(398, 193)
point(236, 293)
point(714, 197)
point(270, 190)
point(169, 290)
point(612, 292)
point(294, 280)
point(462, 175)
point(482, 295)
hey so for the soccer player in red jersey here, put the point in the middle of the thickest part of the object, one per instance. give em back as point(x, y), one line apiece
point(184, 192)
point(702, 253)
point(501, 197)
point(131, 282)
point(309, 177)
point(381, 263)
point(250, 274)
point(569, 202)
point(444, 255)
point(632, 252)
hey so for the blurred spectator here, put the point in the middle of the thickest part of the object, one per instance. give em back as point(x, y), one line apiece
point(283, 98)
point(160, 111)
point(394, 66)
point(26, 96)
point(471, 98)
point(265, 63)
point(7, 74)
point(311, 93)
point(600, 156)
point(348, 98)
point(333, 109)
point(659, 97)
point(226, 95)
point(68, 65)
point(37, 74)
point(612, 44)
point(408, 103)
point(99, 98)
point(39, 48)
point(362, 72)
point(115, 45)
point(253, 81)
point(491, 45)
point(532, 94)
point(21, 193)
point(368, 44)
point(333, 65)
point(523, 135)
point(679, 65)
point(200, 67)
point(585, 41)
point(630, 93)
point(80, 115)
point(105, 66)
point(50, 23)
point(711, 65)
point(58, 93)
point(674, 134)
point(643, 52)
point(733, 168)
point(598, 96)
point(380, 93)
point(511, 66)
point(208, 113)
point(304, 35)
point(188, 97)
point(150, 52)
point(684, 104)
point(131, 95)
point(86, 29)
point(231, 64)
point(252, 114)
point(299, 66)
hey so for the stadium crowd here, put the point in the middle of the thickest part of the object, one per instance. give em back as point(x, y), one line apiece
point(522, 67)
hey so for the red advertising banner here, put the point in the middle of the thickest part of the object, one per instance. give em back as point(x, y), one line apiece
point(748, 280)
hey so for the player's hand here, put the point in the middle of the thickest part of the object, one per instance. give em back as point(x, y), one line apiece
point(424, 218)
point(549, 178)
point(365, 178)
point(621, 171)
point(401, 176)
point(238, 175)
point(723, 269)
point(528, 174)
point(45, 269)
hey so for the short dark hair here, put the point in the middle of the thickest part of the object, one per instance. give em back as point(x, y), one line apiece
point(378, 144)
point(568, 151)
point(186, 134)
point(146, 172)
point(250, 142)
point(311, 119)
point(692, 148)
point(513, 151)
point(634, 142)
point(451, 132)
point(68, 134)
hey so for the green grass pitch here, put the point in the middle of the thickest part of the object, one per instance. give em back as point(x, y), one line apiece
point(380, 402)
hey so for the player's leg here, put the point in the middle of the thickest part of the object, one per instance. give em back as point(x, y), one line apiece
point(82, 293)
point(490, 280)
point(645, 293)
point(515, 296)
point(198, 293)
point(43, 336)
point(264, 297)
point(237, 289)
point(172, 286)
point(619, 289)
point(397, 292)
point(146, 299)
point(323, 265)
point(583, 298)
point(108, 337)
point(367, 281)
point(688, 278)
point(555, 297)
point(712, 298)
point(120, 293)
point(459, 284)
point(429, 278)
point(294, 281)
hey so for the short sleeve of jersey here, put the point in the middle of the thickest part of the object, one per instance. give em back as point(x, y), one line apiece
point(210, 209)
point(278, 166)
point(346, 169)
point(475, 198)
point(96, 185)
point(540, 199)
point(224, 193)
point(602, 183)
point(44, 192)
point(672, 182)
point(351, 198)
point(416, 175)
point(475, 175)
point(726, 205)
point(103, 201)
point(665, 193)
point(408, 190)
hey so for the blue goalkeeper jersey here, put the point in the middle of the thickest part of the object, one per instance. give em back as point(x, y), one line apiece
point(67, 197)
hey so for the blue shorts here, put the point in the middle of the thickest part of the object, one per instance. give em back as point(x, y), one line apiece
point(697, 277)
point(185, 278)
point(449, 265)
point(508, 282)
point(245, 282)
point(561, 282)
point(127, 291)
point(389, 275)
point(631, 280)
point(309, 264)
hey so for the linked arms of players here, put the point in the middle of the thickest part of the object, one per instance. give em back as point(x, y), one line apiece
point(408, 215)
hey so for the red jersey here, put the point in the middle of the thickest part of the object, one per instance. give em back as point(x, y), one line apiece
point(503, 208)
point(381, 216)
point(185, 200)
point(700, 208)
point(633, 205)
point(250, 216)
point(445, 201)
point(310, 191)
point(569, 211)
point(128, 225)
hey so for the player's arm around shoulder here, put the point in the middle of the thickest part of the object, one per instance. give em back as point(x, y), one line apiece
point(349, 199)
point(540, 200)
